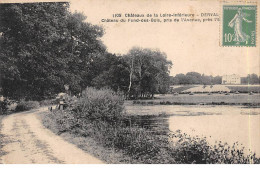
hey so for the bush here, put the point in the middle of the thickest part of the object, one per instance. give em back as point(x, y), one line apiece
point(103, 104)
point(4, 106)
point(61, 121)
point(162, 102)
point(168, 103)
point(137, 142)
point(26, 105)
point(136, 102)
point(48, 102)
point(189, 150)
point(150, 102)
point(143, 102)
point(7, 106)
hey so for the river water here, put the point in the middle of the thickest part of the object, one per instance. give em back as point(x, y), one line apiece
point(218, 123)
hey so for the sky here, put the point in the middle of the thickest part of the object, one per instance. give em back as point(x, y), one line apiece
point(190, 46)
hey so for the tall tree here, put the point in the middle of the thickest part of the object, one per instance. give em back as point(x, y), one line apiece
point(250, 79)
point(194, 77)
point(113, 73)
point(43, 47)
point(149, 72)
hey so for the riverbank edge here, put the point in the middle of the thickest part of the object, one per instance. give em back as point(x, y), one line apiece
point(140, 102)
point(111, 156)
point(89, 145)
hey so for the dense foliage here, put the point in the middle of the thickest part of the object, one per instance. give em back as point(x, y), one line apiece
point(113, 72)
point(4, 106)
point(92, 108)
point(102, 104)
point(197, 78)
point(189, 149)
point(250, 79)
point(26, 105)
point(148, 72)
point(44, 46)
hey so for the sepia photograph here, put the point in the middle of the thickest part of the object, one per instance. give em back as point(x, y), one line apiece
point(129, 82)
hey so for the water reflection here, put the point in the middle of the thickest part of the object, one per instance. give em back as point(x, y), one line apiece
point(189, 110)
point(243, 129)
point(156, 124)
point(219, 123)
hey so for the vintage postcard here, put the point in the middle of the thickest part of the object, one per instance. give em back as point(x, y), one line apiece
point(129, 82)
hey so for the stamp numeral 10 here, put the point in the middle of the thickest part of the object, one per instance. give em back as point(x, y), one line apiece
point(228, 37)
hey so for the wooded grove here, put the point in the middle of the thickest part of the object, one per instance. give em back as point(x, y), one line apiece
point(44, 46)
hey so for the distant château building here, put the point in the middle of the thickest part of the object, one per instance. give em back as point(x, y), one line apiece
point(231, 79)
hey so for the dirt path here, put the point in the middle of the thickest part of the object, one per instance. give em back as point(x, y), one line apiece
point(27, 141)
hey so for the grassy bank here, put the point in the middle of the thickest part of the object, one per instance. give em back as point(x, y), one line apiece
point(244, 89)
point(97, 124)
point(113, 145)
point(182, 88)
point(83, 142)
point(214, 99)
point(216, 88)
point(137, 102)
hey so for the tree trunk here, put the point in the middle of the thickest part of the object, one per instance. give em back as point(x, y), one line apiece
point(130, 78)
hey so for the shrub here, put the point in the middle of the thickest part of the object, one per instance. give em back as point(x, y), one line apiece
point(7, 106)
point(103, 104)
point(150, 102)
point(26, 105)
point(143, 102)
point(168, 103)
point(136, 142)
point(186, 149)
point(162, 102)
point(48, 102)
point(61, 121)
point(4, 106)
point(137, 102)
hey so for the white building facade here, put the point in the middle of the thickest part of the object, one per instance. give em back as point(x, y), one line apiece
point(231, 79)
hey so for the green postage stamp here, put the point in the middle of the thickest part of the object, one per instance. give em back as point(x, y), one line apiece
point(239, 25)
